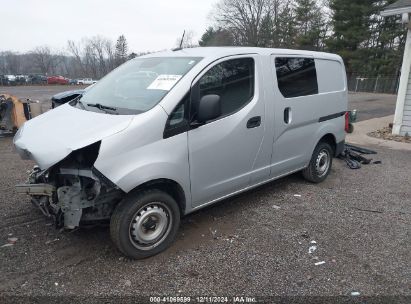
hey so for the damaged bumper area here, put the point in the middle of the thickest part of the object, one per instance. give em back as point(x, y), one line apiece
point(73, 192)
point(65, 143)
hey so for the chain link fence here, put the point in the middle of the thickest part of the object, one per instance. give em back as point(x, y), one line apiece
point(374, 84)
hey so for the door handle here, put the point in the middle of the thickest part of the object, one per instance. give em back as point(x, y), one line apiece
point(287, 115)
point(254, 122)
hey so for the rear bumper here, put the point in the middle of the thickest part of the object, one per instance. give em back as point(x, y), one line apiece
point(339, 148)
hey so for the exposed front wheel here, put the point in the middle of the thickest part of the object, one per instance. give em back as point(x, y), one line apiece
point(145, 223)
point(320, 163)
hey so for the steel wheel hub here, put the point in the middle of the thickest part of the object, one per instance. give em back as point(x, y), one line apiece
point(150, 225)
point(322, 163)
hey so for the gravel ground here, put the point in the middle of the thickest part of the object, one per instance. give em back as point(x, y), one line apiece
point(42, 93)
point(360, 220)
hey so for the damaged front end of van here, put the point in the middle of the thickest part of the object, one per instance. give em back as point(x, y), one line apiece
point(64, 184)
point(72, 191)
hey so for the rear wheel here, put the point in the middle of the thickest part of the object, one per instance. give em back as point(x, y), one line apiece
point(145, 223)
point(320, 163)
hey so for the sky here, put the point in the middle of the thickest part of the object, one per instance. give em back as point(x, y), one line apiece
point(148, 25)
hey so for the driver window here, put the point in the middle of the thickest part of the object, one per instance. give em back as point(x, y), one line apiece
point(233, 81)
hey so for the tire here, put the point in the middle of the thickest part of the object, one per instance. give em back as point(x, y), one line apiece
point(320, 163)
point(145, 223)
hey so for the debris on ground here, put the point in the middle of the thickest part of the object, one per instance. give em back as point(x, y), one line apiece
point(368, 210)
point(7, 245)
point(311, 249)
point(213, 233)
point(231, 238)
point(52, 241)
point(353, 156)
point(276, 207)
point(304, 234)
point(319, 263)
point(12, 240)
point(297, 195)
point(355, 293)
point(386, 133)
point(14, 113)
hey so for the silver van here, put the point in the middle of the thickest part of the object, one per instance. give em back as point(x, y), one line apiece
point(169, 133)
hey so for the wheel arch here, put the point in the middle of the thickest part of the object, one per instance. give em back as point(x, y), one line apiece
point(330, 139)
point(169, 186)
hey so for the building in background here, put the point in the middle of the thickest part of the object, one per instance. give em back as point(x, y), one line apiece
point(402, 118)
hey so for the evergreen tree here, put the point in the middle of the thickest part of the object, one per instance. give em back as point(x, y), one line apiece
point(385, 43)
point(310, 25)
point(121, 52)
point(351, 25)
point(216, 37)
point(285, 28)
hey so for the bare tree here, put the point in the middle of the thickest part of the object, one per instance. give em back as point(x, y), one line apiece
point(187, 40)
point(75, 50)
point(11, 62)
point(111, 58)
point(101, 49)
point(43, 59)
point(244, 19)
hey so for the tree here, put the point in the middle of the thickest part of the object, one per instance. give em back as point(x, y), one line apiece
point(368, 43)
point(12, 62)
point(263, 23)
point(385, 43)
point(351, 26)
point(43, 59)
point(186, 41)
point(121, 52)
point(243, 19)
point(216, 37)
point(285, 29)
point(310, 25)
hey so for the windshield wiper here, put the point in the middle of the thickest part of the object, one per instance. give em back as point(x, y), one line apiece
point(101, 107)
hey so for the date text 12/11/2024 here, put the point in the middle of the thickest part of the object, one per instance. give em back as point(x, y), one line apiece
point(203, 299)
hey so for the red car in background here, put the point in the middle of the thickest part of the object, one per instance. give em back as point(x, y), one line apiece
point(57, 80)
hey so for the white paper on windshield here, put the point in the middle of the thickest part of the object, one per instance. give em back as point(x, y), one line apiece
point(164, 82)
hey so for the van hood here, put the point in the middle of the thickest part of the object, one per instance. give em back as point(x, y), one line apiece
point(50, 137)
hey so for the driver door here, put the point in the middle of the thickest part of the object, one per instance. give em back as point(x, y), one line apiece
point(222, 152)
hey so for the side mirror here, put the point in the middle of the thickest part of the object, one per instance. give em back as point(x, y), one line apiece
point(209, 108)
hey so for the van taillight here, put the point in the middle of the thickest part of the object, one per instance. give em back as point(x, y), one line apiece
point(347, 121)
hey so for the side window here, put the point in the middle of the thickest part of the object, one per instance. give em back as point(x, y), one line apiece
point(233, 81)
point(177, 116)
point(177, 121)
point(296, 76)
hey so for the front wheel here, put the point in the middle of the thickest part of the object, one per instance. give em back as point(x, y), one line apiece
point(320, 163)
point(145, 223)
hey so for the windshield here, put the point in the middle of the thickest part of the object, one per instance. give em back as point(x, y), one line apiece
point(138, 85)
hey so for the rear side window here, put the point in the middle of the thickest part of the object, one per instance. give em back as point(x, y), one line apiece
point(296, 76)
point(233, 81)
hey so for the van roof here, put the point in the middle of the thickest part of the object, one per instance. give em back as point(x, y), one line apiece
point(218, 52)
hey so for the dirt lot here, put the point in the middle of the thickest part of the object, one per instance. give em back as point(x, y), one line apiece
point(39, 92)
point(359, 219)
